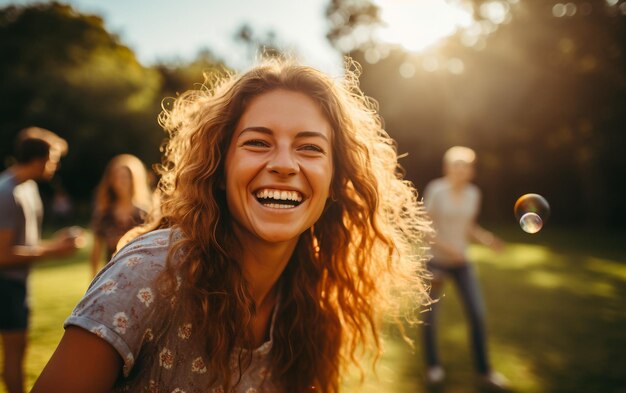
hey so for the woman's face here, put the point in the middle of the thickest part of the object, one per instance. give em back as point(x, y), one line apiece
point(278, 167)
point(459, 172)
point(121, 181)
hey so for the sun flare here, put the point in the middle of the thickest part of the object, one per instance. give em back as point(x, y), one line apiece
point(418, 24)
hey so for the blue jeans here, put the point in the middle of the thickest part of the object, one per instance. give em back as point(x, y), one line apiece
point(468, 289)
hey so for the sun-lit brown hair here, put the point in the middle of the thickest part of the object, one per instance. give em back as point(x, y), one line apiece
point(105, 194)
point(350, 269)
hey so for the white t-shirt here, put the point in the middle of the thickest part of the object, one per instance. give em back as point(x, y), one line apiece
point(21, 212)
point(452, 215)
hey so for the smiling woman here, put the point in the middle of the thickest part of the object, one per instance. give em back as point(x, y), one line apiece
point(285, 234)
point(288, 159)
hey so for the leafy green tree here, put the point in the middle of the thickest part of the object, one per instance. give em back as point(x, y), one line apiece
point(62, 70)
point(263, 46)
point(178, 77)
point(541, 97)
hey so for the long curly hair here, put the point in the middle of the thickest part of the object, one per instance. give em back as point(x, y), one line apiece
point(351, 268)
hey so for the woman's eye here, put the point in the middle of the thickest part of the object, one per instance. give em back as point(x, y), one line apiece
point(255, 143)
point(313, 148)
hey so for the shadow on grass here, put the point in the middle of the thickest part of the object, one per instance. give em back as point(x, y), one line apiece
point(563, 313)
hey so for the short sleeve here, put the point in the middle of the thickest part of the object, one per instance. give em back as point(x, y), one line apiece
point(8, 210)
point(120, 304)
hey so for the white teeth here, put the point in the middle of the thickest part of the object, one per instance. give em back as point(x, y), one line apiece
point(278, 206)
point(279, 195)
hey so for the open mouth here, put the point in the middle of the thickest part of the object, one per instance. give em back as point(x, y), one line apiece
point(278, 199)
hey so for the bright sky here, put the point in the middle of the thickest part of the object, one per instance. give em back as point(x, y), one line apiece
point(171, 30)
point(416, 25)
point(167, 29)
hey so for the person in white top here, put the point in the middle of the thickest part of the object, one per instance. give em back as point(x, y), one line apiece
point(453, 203)
point(37, 154)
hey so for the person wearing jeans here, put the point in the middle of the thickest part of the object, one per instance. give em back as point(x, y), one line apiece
point(453, 203)
point(37, 155)
point(464, 279)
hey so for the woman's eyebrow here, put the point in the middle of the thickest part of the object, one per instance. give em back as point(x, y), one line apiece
point(301, 134)
point(263, 130)
point(308, 134)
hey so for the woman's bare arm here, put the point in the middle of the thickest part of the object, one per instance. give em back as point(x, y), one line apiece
point(82, 363)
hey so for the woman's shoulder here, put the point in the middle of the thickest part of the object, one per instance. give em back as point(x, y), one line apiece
point(122, 304)
point(145, 254)
point(156, 240)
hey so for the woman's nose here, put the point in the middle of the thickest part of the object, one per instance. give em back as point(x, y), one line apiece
point(283, 163)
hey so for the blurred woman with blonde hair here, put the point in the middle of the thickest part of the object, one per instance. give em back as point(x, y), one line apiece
point(286, 233)
point(122, 201)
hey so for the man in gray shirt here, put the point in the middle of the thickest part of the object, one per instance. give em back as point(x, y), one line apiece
point(37, 154)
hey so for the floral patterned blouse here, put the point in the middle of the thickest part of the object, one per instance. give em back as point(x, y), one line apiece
point(160, 353)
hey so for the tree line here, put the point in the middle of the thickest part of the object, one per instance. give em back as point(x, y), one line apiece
point(63, 70)
point(541, 100)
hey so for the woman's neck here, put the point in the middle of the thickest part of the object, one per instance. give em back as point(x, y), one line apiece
point(262, 264)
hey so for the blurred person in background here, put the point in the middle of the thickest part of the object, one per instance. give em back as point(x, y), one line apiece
point(37, 155)
point(122, 200)
point(285, 236)
point(453, 204)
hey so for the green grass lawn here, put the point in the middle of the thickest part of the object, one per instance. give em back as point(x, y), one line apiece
point(556, 317)
point(556, 305)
